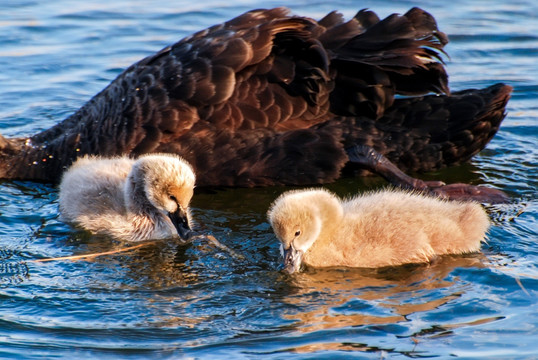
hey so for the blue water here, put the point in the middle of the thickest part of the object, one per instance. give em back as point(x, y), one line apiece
point(173, 301)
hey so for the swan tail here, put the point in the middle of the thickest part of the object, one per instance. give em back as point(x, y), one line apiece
point(401, 54)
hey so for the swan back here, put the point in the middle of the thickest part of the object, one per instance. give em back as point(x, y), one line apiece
point(451, 227)
point(93, 186)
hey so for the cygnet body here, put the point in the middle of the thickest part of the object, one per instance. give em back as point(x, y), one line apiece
point(128, 199)
point(385, 228)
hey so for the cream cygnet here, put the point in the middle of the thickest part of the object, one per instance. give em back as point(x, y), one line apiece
point(377, 229)
point(128, 199)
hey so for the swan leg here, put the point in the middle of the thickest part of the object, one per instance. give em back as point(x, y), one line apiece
point(370, 159)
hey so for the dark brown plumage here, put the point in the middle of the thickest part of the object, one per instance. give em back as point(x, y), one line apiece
point(268, 98)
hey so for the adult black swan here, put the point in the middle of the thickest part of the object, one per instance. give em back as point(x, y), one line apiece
point(270, 98)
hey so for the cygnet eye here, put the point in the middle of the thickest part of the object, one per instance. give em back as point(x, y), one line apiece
point(173, 198)
point(297, 233)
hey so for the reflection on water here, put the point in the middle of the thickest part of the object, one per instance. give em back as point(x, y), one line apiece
point(327, 299)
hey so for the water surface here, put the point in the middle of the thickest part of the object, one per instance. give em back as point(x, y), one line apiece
point(169, 300)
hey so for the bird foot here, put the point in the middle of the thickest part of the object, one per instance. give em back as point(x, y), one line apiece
point(370, 159)
point(456, 191)
point(459, 191)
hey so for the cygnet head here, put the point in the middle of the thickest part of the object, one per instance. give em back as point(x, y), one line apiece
point(164, 182)
point(297, 220)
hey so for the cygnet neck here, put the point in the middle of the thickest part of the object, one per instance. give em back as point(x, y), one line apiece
point(331, 214)
point(136, 199)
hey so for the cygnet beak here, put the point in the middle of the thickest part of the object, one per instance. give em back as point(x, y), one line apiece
point(181, 223)
point(292, 259)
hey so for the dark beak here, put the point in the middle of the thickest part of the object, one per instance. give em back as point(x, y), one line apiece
point(181, 222)
point(292, 260)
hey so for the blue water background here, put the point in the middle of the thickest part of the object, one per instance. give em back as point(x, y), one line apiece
point(172, 301)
